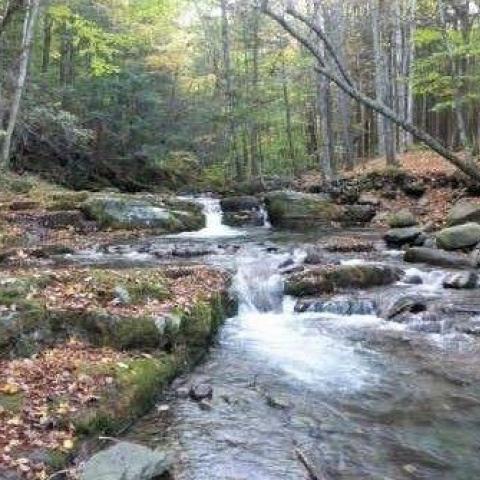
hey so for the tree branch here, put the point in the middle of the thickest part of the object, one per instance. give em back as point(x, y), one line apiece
point(328, 44)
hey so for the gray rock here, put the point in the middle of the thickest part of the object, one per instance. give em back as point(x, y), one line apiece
point(459, 237)
point(121, 211)
point(201, 392)
point(359, 214)
point(122, 295)
point(288, 209)
point(322, 280)
point(338, 306)
point(464, 212)
point(126, 461)
point(437, 258)
point(238, 204)
point(402, 219)
point(461, 281)
point(413, 280)
point(244, 218)
point(404, 304)
point(398, 237)
point(369, 199)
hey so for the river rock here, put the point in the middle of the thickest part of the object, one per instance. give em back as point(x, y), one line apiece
point(322, 280)
point(201, 392)
point(237, 204)
point(404, 304)
point(437, 258)
point(402, 219)
point(246, 218)
point(464, 212)
point(242, 211)
point(126, 461)
point(459, 237)
point(369, 199)
point(119, 211)
point(359, 214)
point(289, 209)
point(337, 306)
point(397, 237)
point(461, 281)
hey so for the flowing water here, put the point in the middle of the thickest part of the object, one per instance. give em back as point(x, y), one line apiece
point(350, 395)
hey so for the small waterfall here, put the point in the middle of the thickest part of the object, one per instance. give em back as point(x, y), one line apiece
point(429, 281)
point(214, 217)
point(259, 285)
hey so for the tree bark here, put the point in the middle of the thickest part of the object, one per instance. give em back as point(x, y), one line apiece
point(30, 19)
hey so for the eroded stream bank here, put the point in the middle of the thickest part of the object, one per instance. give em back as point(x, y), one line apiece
point(356, 395)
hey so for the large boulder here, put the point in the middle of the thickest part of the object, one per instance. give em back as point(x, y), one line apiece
point(437, 258)
point(120, 211)
point(244, 211)
point(402, 219)
point(240, 203)
point(397, 237)
point(459, 237)
point(126, 461)
point(301, 210)
point(464, 212)
point(328, 279)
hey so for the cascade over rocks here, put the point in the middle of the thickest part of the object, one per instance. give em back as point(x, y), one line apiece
point(404, 304)
point(338, 306)
point(461, 281)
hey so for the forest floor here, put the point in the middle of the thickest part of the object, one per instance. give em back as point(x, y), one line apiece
point(426, 166)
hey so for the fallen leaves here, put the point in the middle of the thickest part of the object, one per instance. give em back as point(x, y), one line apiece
point(51, 389)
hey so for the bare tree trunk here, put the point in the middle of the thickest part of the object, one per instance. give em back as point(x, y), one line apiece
point(30, 18)
point(288, 113)
point(230, 140)
point(324, 102)
point(386, 140)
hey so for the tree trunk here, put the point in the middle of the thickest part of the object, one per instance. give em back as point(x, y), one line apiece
point(30, 18)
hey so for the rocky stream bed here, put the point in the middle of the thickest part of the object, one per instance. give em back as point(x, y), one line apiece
point(348, 358)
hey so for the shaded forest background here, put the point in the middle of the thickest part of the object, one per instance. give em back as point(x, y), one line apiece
point(209, 93)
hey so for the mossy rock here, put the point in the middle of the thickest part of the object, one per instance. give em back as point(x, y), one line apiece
point(402, 219)
point(66, 201)
point(459, 237)
point(288, 209)
point(119, 211)
point(326, 280)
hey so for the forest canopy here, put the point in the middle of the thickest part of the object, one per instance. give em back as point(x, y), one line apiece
point(167, 93)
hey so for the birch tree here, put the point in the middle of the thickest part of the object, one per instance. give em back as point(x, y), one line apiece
point(30, 18)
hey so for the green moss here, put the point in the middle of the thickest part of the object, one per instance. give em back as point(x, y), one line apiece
point(137, 388)
point(140, 332)
point(11, 403)
point(60, 201)
point(143, 289)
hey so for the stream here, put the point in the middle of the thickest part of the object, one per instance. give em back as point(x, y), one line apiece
point(358, 396)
